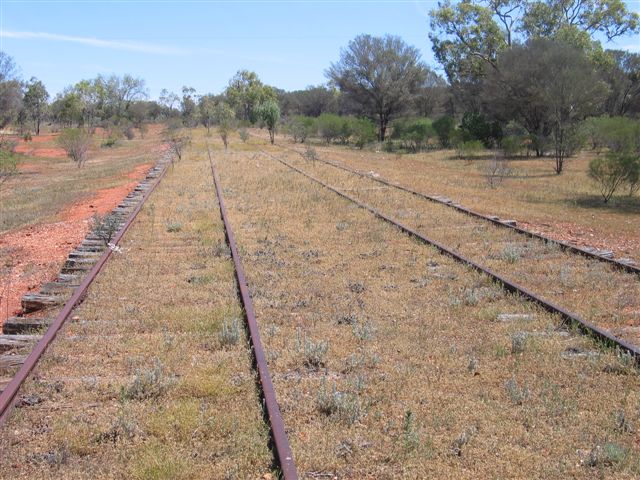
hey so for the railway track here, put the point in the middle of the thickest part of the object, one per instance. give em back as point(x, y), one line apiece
point(606, 256)
point(282, 448)
point(283, 462)
point(566, 315)
point(127, 212)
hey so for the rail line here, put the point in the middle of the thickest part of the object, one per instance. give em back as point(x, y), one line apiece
point(8, 395)
point(276, 424)
point(623, 265)
point(567, 316)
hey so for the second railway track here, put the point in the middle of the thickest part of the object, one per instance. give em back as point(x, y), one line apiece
point(606, 296)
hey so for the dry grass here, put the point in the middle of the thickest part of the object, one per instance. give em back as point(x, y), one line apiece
point(596, 291)
point(44, 187)
point(139, 385)
point(388, 359)
point(418, 379)
point(533, 193)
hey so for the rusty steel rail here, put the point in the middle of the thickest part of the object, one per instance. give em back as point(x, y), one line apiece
point(630, 268)
point(567, 316)
point(278, 433)
point(8, 395)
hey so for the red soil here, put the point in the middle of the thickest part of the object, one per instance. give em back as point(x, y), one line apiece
point(33, 149)
point(33, 255)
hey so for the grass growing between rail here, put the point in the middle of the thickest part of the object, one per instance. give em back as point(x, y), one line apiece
point(152, 379)
point(392, 361)
point(598, 292)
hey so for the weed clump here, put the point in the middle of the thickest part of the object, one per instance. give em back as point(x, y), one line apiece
point(230, 333)
point(147, 384)
point(342, 405)
point(105, 227)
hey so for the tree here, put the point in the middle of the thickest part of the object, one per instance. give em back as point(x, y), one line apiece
point(76, 143)
point(329, 126)
point(189, 107)
point(300, 127)
point(224, 117)
point(548, 87)
point(35, 102)
point(623, 79)
point(381, 74)
point(245, 92)
point(67, 108)
point(468, 35)
point(269, 113)
point(10, 90)
point(206, 109)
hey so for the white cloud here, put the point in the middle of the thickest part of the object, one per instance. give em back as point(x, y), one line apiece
point(95, 42)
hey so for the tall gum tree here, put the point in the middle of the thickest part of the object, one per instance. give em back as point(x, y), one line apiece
point(381, 74)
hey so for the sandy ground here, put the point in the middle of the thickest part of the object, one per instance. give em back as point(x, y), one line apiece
point(33, 255)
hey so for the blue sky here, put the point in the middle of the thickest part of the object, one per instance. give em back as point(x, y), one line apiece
point(202, 43)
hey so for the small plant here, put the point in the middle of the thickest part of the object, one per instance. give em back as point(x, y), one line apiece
point(27, 137)
point(105, 227)
point(410, 436)
point(310, 154)
point(244, 135)
point(517, 395)
point(362, 331)
point(622, 422)
point(76, 143)
point(518, 342)
point(147, 384)
point(129, 133)
point(314, 353)
point(511, 253)
point(462, 440)
point(609, 455)
point(230, 333)
point(109, 142)
point(174, 226)
point(343, 405)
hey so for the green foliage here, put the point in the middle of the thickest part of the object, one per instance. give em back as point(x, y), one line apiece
point(330, 126)
point(363, 131)
point(380, 74)
point(475, 126)
point(245, 92)
point(468, 36)
point(301, 127)
point(512, 145)
point(444, 127)
point(269, 113)
point(618, 134)
point(613, 170)
point(413, 133)
point(224, 117)
point(8, 164)
point(76, 143)
point(470, 149)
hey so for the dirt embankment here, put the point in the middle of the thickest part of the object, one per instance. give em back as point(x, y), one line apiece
point(33, 255)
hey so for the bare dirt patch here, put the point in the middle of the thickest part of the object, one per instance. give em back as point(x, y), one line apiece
point(33, 255)
point(41, 146)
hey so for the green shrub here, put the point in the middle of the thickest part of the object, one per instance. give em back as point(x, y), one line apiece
point(330, 126)
point(613, 170)
point(470, 149)
point(301, 127)
point(414, 134)
point(363, 131)
point(512, 146)
point(445, 127)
